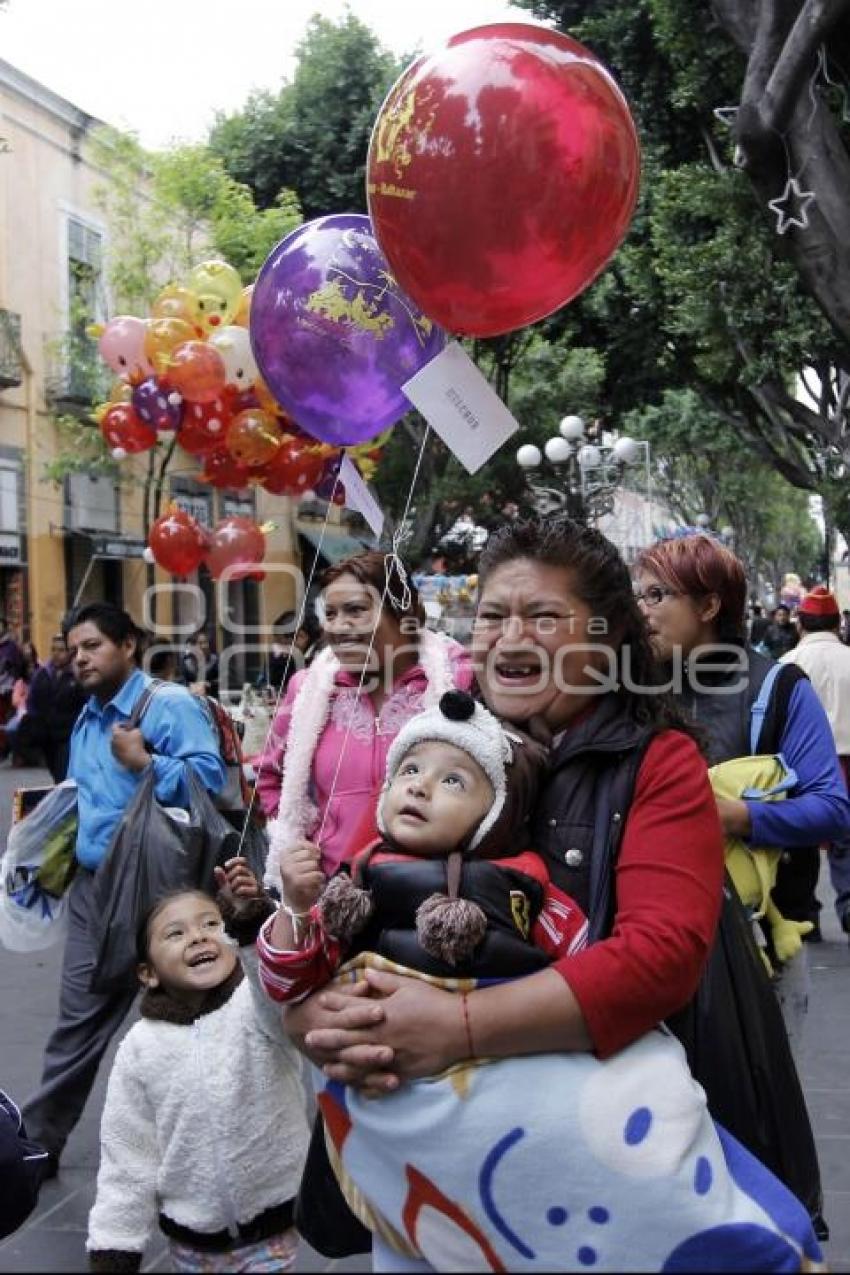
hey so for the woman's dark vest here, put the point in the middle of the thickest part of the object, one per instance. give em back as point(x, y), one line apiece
point(582, 809)
point(511, 901)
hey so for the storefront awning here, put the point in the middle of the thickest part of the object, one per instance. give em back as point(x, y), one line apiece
point(334, 545)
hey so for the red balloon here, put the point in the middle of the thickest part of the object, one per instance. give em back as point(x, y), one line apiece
point(196, 370)
point(205, 425)
point(122, 427)
point(502, 175)
point(292, 470)
point(238, 544)
point(178, 542)
point(221, 470)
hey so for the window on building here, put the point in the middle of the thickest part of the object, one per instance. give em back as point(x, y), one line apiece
point(85, 306)
point(9, 520)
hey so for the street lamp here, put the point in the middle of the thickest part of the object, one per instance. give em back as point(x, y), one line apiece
point(587, 466)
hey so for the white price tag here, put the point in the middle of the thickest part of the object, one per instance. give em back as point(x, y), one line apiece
point(358, 496)
point(461, 406)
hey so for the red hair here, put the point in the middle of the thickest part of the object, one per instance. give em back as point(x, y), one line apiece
point(697, 566)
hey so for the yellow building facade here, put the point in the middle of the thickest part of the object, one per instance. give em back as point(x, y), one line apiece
point(82, 539)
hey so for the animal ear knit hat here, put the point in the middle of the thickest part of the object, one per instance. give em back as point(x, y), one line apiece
point(457, 720)
point(448, 926)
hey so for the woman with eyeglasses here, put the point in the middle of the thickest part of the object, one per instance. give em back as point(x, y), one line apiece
point(693, 593)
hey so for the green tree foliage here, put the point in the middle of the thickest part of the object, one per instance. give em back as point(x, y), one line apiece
point(704, 465)
point(705, 295)
point(169, 210)
point(313, 136)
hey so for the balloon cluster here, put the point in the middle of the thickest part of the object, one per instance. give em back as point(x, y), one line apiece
point(188, 367)
point(236, 546)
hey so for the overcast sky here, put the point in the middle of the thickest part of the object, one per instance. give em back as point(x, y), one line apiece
point(163, 67)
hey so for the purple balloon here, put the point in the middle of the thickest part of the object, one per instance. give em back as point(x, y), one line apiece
point(334, 336)
point(163, 409)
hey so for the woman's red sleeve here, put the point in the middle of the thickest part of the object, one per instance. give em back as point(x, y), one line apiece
point(668, 885)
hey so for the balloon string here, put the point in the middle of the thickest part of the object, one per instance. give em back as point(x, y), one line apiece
point(393, 560)
point(298, 622)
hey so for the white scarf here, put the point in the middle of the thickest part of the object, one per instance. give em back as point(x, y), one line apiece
point(297, 815)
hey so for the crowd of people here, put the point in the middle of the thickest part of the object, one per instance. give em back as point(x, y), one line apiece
point(492, 901)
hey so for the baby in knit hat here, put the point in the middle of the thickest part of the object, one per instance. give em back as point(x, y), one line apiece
point(450, 889)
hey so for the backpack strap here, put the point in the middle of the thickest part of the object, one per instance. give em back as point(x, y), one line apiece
point(769, 711)
point(758, 710)
point(141, 705)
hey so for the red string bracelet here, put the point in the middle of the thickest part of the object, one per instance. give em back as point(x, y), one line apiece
point(465, 1009)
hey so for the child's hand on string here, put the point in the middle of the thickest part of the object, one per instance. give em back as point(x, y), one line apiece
point(302, 876)
point(236, 882)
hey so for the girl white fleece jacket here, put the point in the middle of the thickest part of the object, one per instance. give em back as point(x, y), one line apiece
point(204, 1121)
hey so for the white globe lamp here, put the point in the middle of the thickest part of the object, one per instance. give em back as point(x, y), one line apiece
point(627, 450)
point(589, 457)
point(558, 450)
point(529, 456)
point(703, 520)
point(571, 428)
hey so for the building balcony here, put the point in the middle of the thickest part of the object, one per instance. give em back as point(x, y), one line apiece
point(11, 355)
point(75, 378)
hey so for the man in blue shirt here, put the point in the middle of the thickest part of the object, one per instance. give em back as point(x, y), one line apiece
point(107, 762)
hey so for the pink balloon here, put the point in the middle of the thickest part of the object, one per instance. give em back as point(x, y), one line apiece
point(121, 346)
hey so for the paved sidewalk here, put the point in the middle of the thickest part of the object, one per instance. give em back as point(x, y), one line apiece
point(53, 1238)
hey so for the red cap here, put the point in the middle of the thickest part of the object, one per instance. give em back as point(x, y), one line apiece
point(819, 601)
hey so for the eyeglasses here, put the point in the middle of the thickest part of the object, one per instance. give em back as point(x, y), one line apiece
point(654, 594)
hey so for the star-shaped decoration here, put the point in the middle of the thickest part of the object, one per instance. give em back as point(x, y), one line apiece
point(791, 206)
point(726, 115)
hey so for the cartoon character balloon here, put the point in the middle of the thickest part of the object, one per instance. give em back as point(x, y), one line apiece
point(234, 345)
point(334, 336)
point(218, 289)
point(502, 175)
point(122, 345)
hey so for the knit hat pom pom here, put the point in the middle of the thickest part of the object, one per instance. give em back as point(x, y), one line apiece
point(450, 929)
point(457, 706)
point(344, 907)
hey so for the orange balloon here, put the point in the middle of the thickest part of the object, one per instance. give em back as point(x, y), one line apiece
point(163, 337)
point(254, 437)
point(177, 302)
point(243, 312)
point(265, 398)
point(196, 371)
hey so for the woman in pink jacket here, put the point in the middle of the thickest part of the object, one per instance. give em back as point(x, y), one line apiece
point(325, 760)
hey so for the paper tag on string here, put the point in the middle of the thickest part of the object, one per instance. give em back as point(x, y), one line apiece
point(358, 496)
point(461, 406)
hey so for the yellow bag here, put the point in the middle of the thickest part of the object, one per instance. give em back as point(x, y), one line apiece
point(753, 868)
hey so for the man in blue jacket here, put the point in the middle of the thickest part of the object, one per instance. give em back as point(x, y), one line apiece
point(107, 761)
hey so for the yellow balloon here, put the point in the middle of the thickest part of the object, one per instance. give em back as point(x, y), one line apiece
point(243, 314)
point(120, 392)
point(218, 288)
point(176, 302)
point(162, 337)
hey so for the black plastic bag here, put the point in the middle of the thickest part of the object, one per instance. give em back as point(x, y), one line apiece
point(151, 853)
point(322, 1215)
point(737, 1047)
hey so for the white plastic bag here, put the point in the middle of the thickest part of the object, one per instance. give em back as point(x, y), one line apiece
point(33, 917)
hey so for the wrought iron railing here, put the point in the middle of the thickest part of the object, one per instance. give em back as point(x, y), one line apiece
point(75, 376)
point(11, 355)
